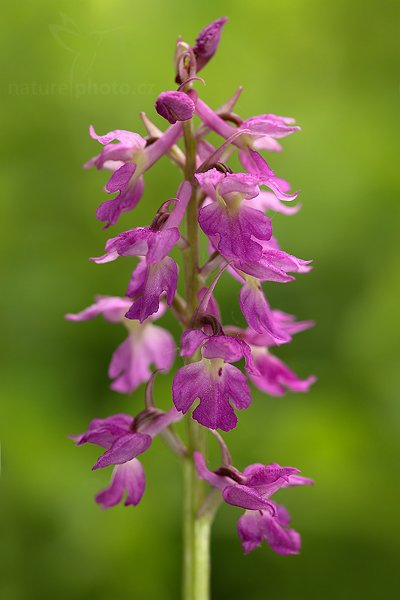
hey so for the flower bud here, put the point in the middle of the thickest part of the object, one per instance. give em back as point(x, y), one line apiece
point(207, 42)
point(175, 106)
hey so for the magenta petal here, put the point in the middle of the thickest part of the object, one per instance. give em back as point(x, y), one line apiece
point(295, 480)
point(129, 478)
point(227, 184)
point(120, 369)
point(255, 164)
point(127, 146)
point(270, 125)
point(119, 419)
point(141, 241)
point(235, 231)
point(123, 136)
point(123, 449)
point(264, 269)
point(239, 183)
point(282, 540)
point(120, 178)
point(103, 436)
point(131, 362)
point(156, 425)
point(282, 515)
point(268, 201)
point(250, 530)
point(110, 210)
point(249, 363)
point(111, 307)
point(104, 432)
point(134, 242)
point(258, 314)
point(113, 494)
point(163, 144)
point(223, 346)
point(274, 264)
point(209, 181)
point(212, 120)
point(213, 479)
point(279, 260)
point(259, 474)
point(214, 386)
point(158, 346)
point(273, 185)
point(266, 142)
point(138, 279)
point(256, 223)
point(154, 345)
point(191, 340)
point(135, 481)
point(254, 527)
point(153, 281)
point(181, 202)
point(237, 387)
point(287, 325)
point(214, 410)
point(275, 377)
point(268, 479)
point(258, 167)
point(188, 384)
point(111, 158)
point(245, 497)
point(161, 244)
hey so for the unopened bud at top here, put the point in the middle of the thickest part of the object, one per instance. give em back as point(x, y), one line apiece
point(207, 42)
point(189, 60)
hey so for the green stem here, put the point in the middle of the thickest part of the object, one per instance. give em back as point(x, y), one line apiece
point(191, 253)
point(196, 537)
point(196, 529)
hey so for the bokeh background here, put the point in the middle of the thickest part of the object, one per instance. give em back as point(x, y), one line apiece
point(335, 67)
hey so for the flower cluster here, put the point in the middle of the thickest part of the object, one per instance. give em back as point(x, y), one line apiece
point(252, 489)
point(231, 213)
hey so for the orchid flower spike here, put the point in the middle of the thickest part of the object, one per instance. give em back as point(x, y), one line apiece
point(216, 230)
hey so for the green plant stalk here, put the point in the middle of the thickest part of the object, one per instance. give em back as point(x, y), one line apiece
point(196, 536)
point(196, 529)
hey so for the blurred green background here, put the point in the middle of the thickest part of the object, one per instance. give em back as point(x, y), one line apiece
point(333, 66)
